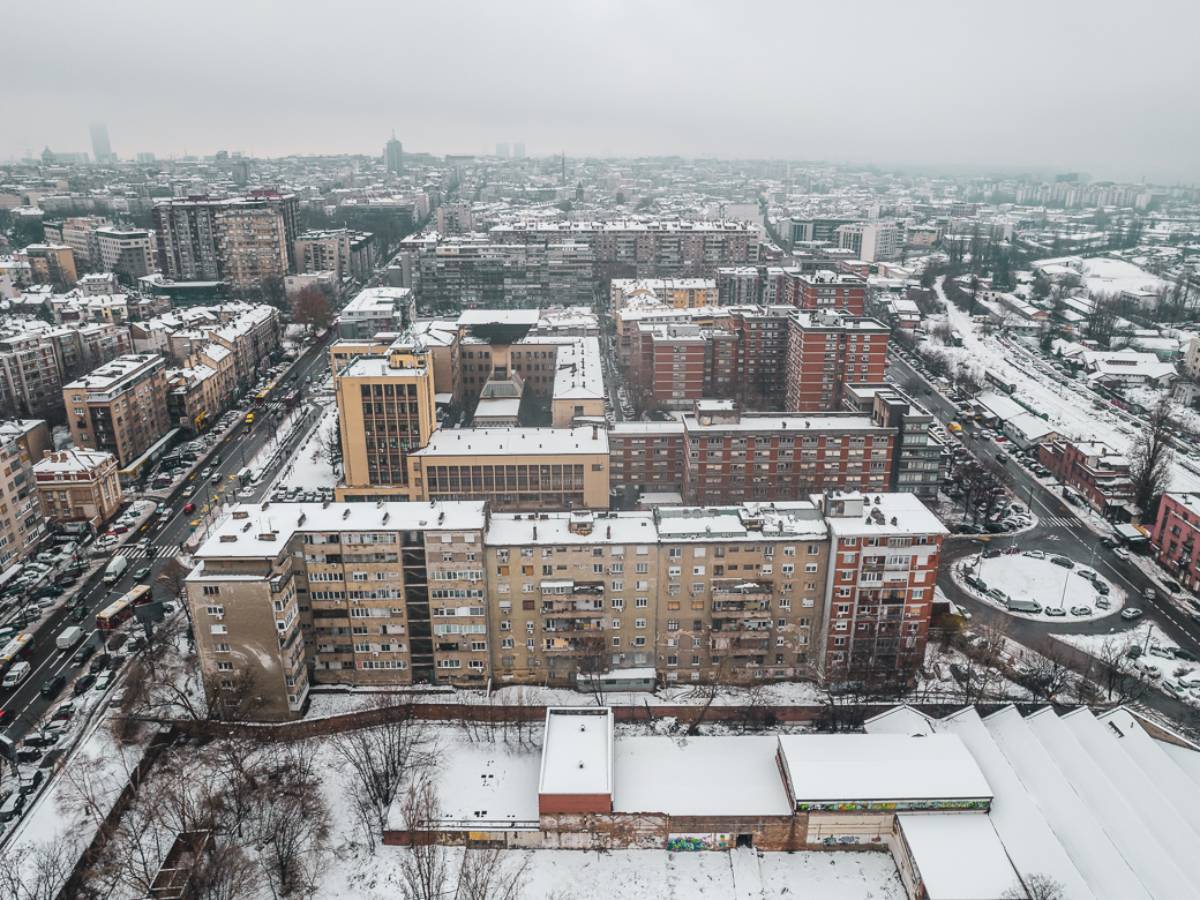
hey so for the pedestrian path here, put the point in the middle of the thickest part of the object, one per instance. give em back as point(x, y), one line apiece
point(1061, 521)
point(159, 552)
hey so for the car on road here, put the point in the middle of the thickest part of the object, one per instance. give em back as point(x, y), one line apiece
point(1081, 610)
point(82, 655)
point(78, 613)
point(189, 507)
point(1108, 542)
point(1062, 561)
point(53, 685)
point(1130, 613)
point(1055, 611)
point(996, 528)
point(1121, 553)
point(142, 574)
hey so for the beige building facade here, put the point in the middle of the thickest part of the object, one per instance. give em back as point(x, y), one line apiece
point(78, 486)
point(21, 521)
point(120, 407)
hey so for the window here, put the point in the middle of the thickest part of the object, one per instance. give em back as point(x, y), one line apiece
point(218, 629)
point(225, 666)
point(641, 602)
point(639, 623)
point(222, 648)
point(211, 590)
point(672, 624)
point(217, 611)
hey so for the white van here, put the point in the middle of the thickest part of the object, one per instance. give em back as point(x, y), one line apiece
point(16, 674)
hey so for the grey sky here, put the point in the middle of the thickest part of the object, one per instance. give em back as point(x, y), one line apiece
point(1105, 86)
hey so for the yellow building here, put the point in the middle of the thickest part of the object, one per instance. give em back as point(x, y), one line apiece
point(385, 412)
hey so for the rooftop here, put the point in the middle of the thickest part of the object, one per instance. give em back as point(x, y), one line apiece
point(577, 751)
point(514, 442)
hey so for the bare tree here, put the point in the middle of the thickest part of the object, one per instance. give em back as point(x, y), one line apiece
point(1036, 887)
point(226, 873)
point(1150, 458)
point(486, 875)
point(292, 822)
point(424, 869)
point(37, 872)
point(380, 759)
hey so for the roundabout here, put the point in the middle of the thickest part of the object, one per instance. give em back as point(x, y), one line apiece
point(1038, 586)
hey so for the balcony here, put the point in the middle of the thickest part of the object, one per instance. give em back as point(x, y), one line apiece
point(589, 644)
point(741, 625)
point(570, 607)
point(572, 625)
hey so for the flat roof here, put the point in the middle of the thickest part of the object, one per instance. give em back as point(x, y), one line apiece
point(694, 776)
point(881, 767)
point(513, 442)
point(577, 751)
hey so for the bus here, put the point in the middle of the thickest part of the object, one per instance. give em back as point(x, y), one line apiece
point(121, 609)
point(15, 649)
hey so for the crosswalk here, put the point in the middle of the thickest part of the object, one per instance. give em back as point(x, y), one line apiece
point(160, 552)
point(1061, 521)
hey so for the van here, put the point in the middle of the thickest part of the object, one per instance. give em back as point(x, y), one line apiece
point(116, 568)
point(16, 674)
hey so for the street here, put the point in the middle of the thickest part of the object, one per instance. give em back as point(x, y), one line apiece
point(25, 706)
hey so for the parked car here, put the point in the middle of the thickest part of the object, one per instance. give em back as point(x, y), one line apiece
point(1055, 611)
point(1062, 561)
point(1035, 554)
point(83, 682)
point(1130, 613)
point(1103, 603)
point(1081, 610)
point(976, 582)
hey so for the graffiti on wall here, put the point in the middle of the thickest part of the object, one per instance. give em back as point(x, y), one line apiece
point(692, 842)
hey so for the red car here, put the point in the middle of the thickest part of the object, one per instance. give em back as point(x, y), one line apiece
point(189, 507)
point(120, 529)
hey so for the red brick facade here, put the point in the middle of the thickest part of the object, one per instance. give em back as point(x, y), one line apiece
point(1175, 537)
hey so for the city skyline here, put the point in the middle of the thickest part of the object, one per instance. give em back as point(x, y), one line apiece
point(970, 96)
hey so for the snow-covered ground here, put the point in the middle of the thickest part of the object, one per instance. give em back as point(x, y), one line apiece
point(1176, 677)
point(309, 467)
point(1021, 577)
point(1067, 404)
point(1104, 275)
point(1149, 398)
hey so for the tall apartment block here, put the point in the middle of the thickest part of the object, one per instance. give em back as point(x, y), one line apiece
point(884, 554)
point(120, 407)
point(22, 443)
point(444, 592)
point(342, 251)
point(128, 252)
point(826, 351)
point(825, 290)
point(237, 239)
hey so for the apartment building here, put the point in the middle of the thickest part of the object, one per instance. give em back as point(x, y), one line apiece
point(818, 229)
point(825, 352)
point(1175, 537)
point(127, 252)
point(252, 245)
point(76, 485)
point(1093, 469)
point(870, 241)
point(386, 412)
point(824, 289)
point(52, 264)
point(738, 286)
point(677, 293)
point(37, 358)
point(884, 554)
point(22, 441)
point(345, 252)
point(354, 593)
point(733, 456)
point(120, 407)
point(917, 460)
point(78, 233)
point(647, 457)
point(444, 592)
point(238, 239)
point(374, 310)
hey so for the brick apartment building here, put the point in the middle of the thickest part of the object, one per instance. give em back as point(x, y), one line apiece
point(120, 407)
point(825, 290)
point(448, 592)
point(827, 351)
point(1175, 537)
point(1095, 470)
point(884, 554)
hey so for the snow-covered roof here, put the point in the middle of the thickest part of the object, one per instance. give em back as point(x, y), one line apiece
point(513, 442)
point(784, 521)
point(72, 462)
point(471, 317)
point(958, 856)
point(253, 530)
point(999, 406)
point(577, 751)
point(662, 775)
point(885, 768)
point(883, 514)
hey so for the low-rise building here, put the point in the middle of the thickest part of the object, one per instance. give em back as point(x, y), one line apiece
point(1097, 472)
point(78, 486)
point(373, 310)
point(1175, 537)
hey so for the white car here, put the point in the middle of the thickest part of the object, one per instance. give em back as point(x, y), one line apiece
point(1121, 553)
point(1035, 554)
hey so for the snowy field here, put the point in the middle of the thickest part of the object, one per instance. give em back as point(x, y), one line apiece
point(1175, 677)
point(1103, 275)
point(1067, 404)
point(1022, 577)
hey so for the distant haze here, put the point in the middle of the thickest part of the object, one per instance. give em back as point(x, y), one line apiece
point(1105, 87)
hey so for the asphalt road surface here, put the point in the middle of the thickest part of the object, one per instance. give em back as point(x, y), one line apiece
point(1060, 531)
point(24, 706)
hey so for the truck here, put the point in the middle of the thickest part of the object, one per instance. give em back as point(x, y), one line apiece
point(116, 568)
point(69, 637)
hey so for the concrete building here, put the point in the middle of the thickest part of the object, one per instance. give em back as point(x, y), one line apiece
point(22, 524)
point(393, 155)
point(78, 486)
point(101, 148)
point(1097, 472)
point(252, 245)
point(120, 407)
point(738, 286)
point(52, 264)
point(348, 253)
point(128, 252)
point(450, 593)
point(374, 310)
point(677, 293)
point(870, 241)
point(917, 457)
point(78, 233)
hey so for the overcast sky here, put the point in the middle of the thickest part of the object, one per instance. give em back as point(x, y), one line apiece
point(1104, 86)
